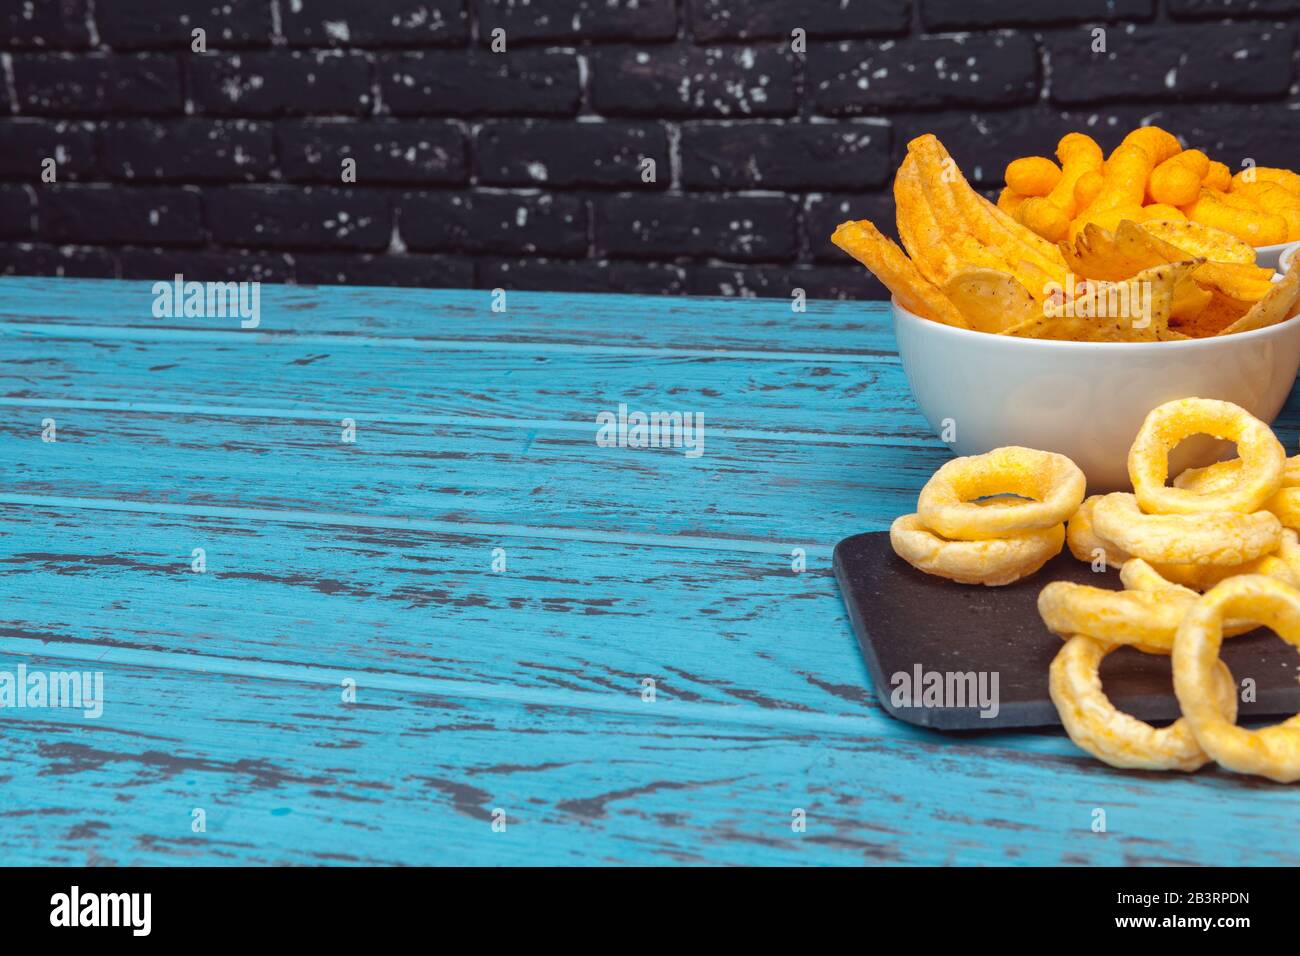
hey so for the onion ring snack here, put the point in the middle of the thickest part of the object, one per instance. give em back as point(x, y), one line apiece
point(1226, 474)
point(1083, 541)
point(1146, 618)
point(1138, 575)
point(1285, 503)
point(1055, 484)
point(1263, 460)
point(1221, 538)
point(1272, 752)
point(993, 562)
point(1117, 738)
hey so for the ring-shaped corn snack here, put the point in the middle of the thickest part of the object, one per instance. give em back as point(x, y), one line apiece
point(1285, 503)
point(1082, 539)
point(1263, 460)
point(1272, 752)
point(1139, 575)
point(993, 562)
point(1220, 538)
point(1053, 482)
point(1227, 474)
point(1117, 738)
point(1147, 619)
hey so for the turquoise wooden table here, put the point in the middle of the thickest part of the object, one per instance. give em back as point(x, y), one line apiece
point(432, 644)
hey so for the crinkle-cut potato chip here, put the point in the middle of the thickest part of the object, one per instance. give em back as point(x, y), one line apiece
point(864, 242)
point(920, 232)
point(1136, 310)
point(1277, 306)
point(935, 234)
point(990, 301)
point(939, 253)
point(1197, 239)
point(959, 207)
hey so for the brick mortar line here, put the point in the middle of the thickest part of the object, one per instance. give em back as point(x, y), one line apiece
point(11, 85)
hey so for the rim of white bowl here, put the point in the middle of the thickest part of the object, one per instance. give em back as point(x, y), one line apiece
point(1011, 341)
point(1274, 247)
point(1289, 252)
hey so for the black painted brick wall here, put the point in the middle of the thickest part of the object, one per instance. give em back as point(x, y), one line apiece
point(522, 169)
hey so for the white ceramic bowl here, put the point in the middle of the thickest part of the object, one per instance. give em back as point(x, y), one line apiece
point(1086, 399)
point(1270, 256)
point(1288, 256)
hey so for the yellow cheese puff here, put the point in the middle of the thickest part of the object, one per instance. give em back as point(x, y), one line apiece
point(1108, 219)
point(1078, 148)
point(1273, 198)
point(1254, 226)
point(1009, 200)
point(1079, 155)
point(1033, 175)
point(1124, 181)
point(1268, 174)
point(1158, 210)
point(1158, 143)
point(1044, 217)
point(1174, 183)
point(1177, 181)
point(1086, 188)
point(1239, 200)
point(1196, 159)
point(1218, 176)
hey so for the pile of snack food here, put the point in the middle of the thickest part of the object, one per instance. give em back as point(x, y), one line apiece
point(1227, 530)
point(1065, 243)
point(1149, 176)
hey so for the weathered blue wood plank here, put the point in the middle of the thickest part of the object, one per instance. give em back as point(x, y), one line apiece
point(793, 493)
point(571, 616)
point(791, 396)
point(286, 773)
point(450, 315)
point(479, 689)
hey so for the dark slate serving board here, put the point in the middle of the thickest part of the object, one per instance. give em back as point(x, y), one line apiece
point(904, 618)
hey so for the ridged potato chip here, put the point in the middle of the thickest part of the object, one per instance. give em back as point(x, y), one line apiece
point(864, 242)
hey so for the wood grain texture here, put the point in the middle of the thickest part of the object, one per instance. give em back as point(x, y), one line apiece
point(800, 493)
point(477, 689)
point(286, 773)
